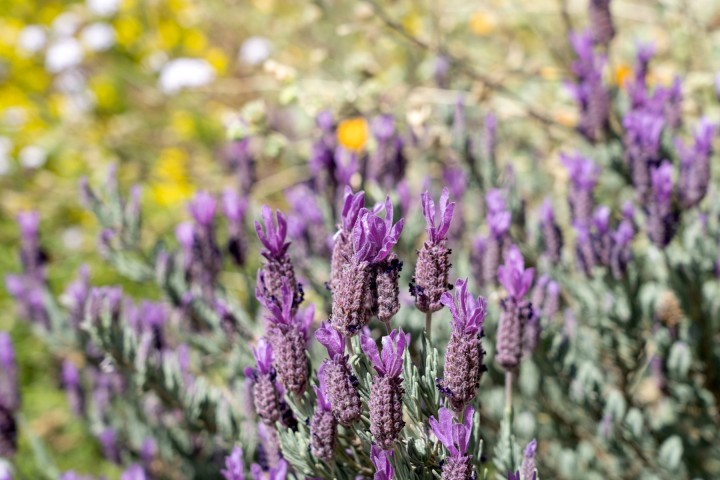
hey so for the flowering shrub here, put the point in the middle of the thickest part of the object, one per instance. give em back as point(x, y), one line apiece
point(573, 340)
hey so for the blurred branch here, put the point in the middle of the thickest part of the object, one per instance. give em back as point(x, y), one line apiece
point(465, 67)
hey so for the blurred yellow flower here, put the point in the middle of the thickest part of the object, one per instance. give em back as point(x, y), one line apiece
point(171, 184)
point(128, 30)
point(622, 73)
point(169, 33)
point(195, 42)
point(482, 23)
point(217, 59)
point(353, 133)
point(412, 23)
point(183, 124)
point(105, 92)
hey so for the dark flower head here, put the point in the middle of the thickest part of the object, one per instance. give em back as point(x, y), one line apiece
point(513, 275)
point(374, 237)
point(455, 437)
point(389, 362)
point(202, 208)
point(437, 233)
point(331, 339)
point(354, 202)
point(273, 236)
point(583, 171)
point(263, 356)
point(381, 460)
point(468, 313)
point(234, 206)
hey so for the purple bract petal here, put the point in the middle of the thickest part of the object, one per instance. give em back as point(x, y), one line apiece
point(513, 275)
point(468, 313)
point(331, 339)
point(273, 236)
point(437, 232)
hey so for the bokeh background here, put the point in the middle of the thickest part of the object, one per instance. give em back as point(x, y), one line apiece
point(157, 87)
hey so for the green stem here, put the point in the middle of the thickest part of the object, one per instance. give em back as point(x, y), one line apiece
point(428, 325)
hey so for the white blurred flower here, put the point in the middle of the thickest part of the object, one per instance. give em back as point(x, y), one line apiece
point(64, 53)
point(255, 50)
point(32, 156)
point(104, 8)
point(5, 148)
point(32, 38)
point(98, 36)
point(66, 24)
point(185, 73)
point(15, 117)
point(72, 238)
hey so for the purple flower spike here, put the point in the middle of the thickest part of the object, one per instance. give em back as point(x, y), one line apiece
point(583, 171)
point(389, 362)
point(331, 339)
point(513, 275)
point(29, 223)
point(281, 309)
point(437, 233)
point(381, 460)
point(273, 236)
point(528, 463)
point(662, 183)
point(498, 216)
point(321, 391)
point(455, 437)
point(374, 237)
point(263, 356)
point(9, 395)
point(202, 208)
point(134, 472)
point(234, 465)
point(468, 313)
point(234, 206)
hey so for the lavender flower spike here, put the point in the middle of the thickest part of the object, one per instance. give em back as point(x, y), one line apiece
point(513, 275)
point(464, 355)
point(695, 165)
point(265, 395)
point(551, 234)
point(386, 416)
point(662, 218)
point(342, 391)
point(529, 472)
point(583, 178)
point(234, 465)
point(273, 235)
point(324, 425)
point(235, 207)
point(278, 267)
point(374, 237)
point(431, 274)
point(602, 27)
point(342, 247)
point(381, 459)
point(9, 397)
point(287, 334)
point(517, 312)
point(456, 439)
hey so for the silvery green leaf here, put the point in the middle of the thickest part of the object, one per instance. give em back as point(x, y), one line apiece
point(671, 452)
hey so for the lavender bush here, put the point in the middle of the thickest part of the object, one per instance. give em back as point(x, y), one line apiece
point(580, 324)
